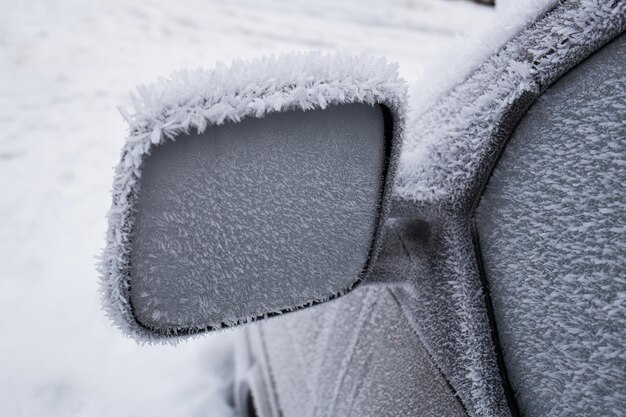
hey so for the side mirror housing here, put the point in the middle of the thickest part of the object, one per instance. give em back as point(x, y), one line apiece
point(250, 191)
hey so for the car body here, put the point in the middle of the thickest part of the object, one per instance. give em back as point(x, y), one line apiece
point(466, 260)
point(500, 286)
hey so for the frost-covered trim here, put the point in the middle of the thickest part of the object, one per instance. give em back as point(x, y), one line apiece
point(194, 100)
point(447, 143)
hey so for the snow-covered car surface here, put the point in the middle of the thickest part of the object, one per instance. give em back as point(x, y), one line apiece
point(70, 63)
point(65, 67)
point(548, 339)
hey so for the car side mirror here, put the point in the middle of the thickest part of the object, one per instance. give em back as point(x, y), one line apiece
point(250, 191)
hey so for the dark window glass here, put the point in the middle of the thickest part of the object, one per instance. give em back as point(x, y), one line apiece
point(552, 228)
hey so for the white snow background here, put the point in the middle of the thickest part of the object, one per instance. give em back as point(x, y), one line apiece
point(64, 67)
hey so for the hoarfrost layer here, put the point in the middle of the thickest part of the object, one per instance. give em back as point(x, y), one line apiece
point(194, 100)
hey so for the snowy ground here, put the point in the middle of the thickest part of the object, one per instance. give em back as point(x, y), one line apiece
point(64, 67)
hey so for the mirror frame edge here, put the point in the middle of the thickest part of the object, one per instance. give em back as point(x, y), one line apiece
point(362, 79)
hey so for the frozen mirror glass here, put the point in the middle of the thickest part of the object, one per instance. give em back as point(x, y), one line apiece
point(257, 217)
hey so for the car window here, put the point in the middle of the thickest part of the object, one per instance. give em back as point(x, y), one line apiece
point(356, 356)
point(552, 227)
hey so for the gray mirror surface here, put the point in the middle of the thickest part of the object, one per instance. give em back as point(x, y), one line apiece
point(256, 217)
